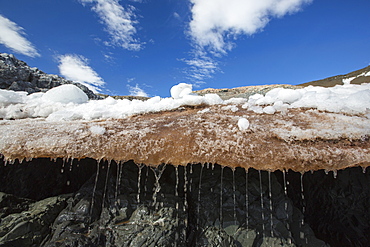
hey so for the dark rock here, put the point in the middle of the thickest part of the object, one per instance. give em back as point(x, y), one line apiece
point(135, 205)
point(16, 75)
point(30, 227)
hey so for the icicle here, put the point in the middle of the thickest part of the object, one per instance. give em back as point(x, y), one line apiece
point(70, 165)
point(285, 182)
point(177, 204)
point(157, 173)
point(63, 164)
point(185, 201)
point(120, 178)
point(191, 177)
point(302, 235)
point(326, 171)
point(105, 185)
point(234, 197)
point(302, 196)
point(270, 198)
point(335, 173)
point(246, 200)
point(364, 169)
point(262, 213)
point(177, 181)
point(138, 182)
point(221, 203)
point(199, 188)
point(117, 181)
point(96, 182)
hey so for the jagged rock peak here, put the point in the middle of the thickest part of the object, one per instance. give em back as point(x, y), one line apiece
point(16, 75)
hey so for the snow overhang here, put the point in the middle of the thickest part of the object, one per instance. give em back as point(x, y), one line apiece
point(297, 139)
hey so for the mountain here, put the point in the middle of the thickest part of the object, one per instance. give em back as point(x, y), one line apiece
point(355, 77)
point(16, 75)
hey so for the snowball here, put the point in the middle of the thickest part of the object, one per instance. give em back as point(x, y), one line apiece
point(97, 130)
point(269, 110)
point(243, 124)
point(67, 93)
point(180, 90)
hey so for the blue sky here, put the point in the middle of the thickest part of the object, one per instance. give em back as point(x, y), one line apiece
point(143, 47)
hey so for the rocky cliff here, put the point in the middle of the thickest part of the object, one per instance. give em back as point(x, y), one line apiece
point(16, 75)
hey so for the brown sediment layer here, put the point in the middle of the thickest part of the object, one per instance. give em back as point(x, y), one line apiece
point(300, 140)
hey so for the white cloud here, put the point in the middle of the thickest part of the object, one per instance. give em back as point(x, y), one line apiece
point(11, 35)
point(119, 22)
point(75, 68)
point(214, 23)
point(137, 91)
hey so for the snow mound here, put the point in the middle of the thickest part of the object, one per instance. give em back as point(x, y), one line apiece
point(67, 93)
point(180, 90)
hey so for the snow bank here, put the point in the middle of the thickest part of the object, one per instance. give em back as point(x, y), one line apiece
point(349, 99)
point(68, 102)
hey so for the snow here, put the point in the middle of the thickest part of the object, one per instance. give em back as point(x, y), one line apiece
point(347, 81)
point(68, 102)
point(269, 110)
point(97, 130)
point(180, 90)
point(243, 124)
point(65, 94)
point(11, 97)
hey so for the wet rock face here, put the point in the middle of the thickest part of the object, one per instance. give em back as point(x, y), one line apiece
point(16, 75)
point(85, 203)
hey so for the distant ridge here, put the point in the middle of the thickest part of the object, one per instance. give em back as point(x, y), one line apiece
point(355, 77)
point(16, 75)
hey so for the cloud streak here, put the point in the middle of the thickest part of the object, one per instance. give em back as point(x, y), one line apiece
point(216, 23)
point(12, 36)
point(119, 23)
point(201, 66)
point(137, 91)
point(75, 68)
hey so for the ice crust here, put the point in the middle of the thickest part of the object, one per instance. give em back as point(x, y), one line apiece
point(67, 102)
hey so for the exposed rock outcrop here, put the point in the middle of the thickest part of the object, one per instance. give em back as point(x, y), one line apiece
point(16, 75)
